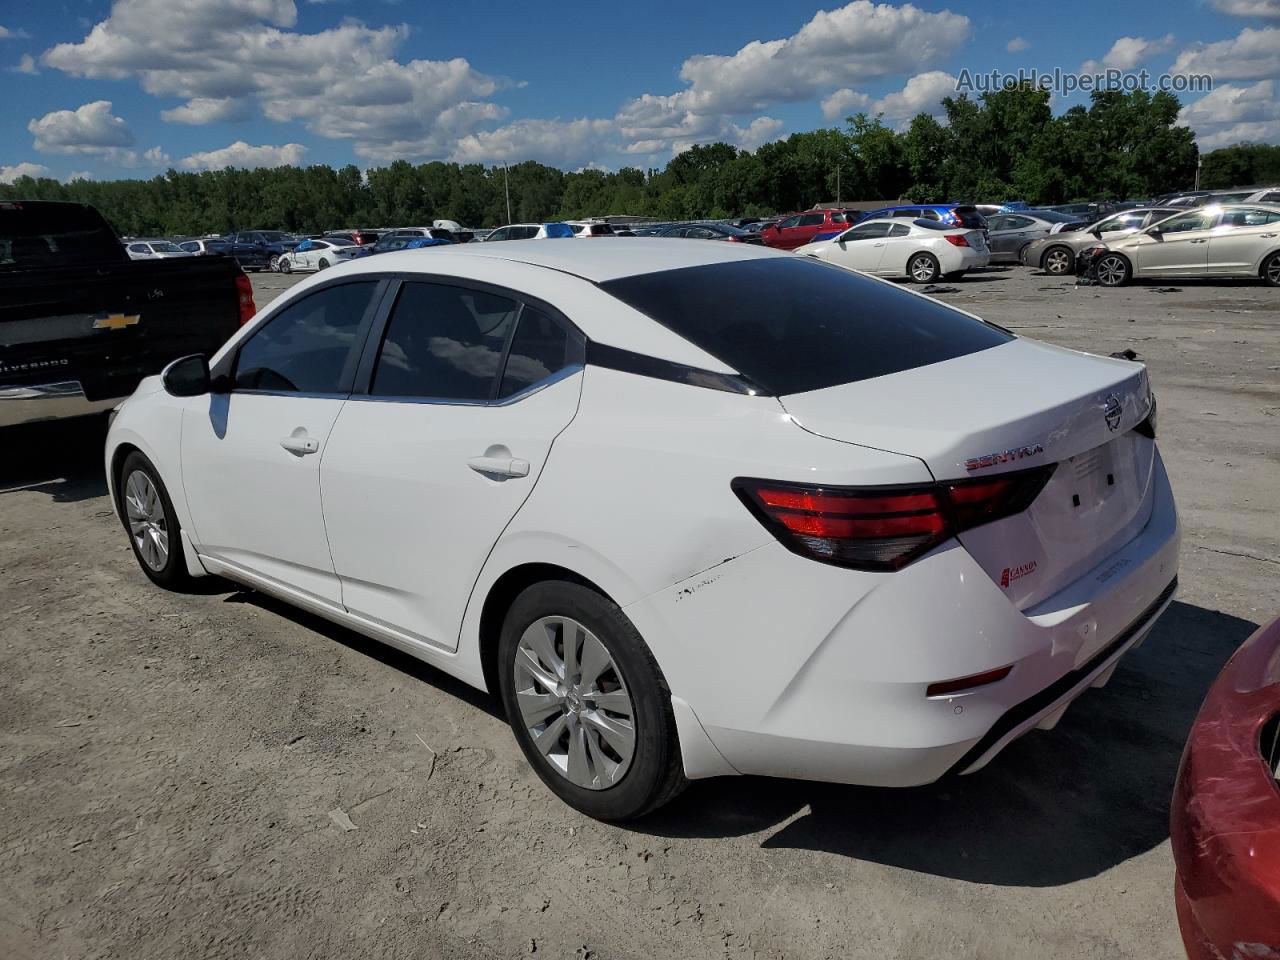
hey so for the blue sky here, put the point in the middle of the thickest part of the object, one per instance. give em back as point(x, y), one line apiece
point(128, 88)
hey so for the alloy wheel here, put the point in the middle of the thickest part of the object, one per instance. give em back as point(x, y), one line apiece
point(1273, 272)
point(1057, 261)
point(1111, 271)
point(922, 269)
point(274, 263)
point(574, 702)
point(147, 524)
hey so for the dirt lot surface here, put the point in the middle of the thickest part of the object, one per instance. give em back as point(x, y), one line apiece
point(169, 764)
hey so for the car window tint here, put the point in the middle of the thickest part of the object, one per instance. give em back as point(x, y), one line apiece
point(795, 324)
point(541, 347)
point(898, 230)
point(788, 223)
point(812, 219)
point(443, 342)
point(1188, 221)
point(1248, 218)
point(310, 346)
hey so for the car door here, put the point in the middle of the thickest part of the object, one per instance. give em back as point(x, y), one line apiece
point(251, 456)
point(860, 248)
point(1237, 243)
point(1178, 246)
point(1007, 235)
point(466, 394)
point(139, 251)
point(895, 249)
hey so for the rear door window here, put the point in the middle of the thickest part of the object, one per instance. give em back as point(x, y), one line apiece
point(791, 325)
point(444, 343)
point(541, 348)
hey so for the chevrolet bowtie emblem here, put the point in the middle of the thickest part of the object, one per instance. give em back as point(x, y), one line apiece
point(116, 321)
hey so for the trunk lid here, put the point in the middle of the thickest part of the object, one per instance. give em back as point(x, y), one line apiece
point(1019, 405)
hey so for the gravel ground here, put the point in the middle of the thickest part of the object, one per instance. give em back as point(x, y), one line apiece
point(170, 766)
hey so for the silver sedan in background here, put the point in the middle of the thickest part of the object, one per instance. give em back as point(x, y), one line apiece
point(1010, 233)
point(1056, 253)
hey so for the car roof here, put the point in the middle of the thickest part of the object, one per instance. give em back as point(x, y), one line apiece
point(597, 263)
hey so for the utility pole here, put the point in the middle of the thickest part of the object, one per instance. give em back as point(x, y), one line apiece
point(506, 186)
point(837, 184)
point(1198, 162)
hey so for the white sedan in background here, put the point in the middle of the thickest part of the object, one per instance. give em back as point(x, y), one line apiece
point(155, 250)
point(920, 250)
point(689, 509)
point(319, 255)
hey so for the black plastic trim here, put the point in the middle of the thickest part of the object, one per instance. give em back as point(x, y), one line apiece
point(628, 361)
point(1028, 708)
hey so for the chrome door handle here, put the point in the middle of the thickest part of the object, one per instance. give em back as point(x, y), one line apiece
point(1205, 240)
point(500, 466)
point(881, 244)
point(300, 445)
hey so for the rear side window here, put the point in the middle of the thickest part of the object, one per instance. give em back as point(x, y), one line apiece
point(972, 219)
point(791, 325)
point(541, 348)
point(310, 346)
point(443, 343)
point(52, 235)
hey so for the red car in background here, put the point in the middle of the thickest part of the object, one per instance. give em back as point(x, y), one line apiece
point(800, 228)
point(1225, 821)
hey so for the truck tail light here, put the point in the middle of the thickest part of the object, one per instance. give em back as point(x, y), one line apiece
point(883, 528)
point(244, 292)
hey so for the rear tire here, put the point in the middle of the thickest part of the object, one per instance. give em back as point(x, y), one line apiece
point(1271, 270)
point(151, 523)
point(285, 265)
point(1057, 261)
point(274, 263)
point(613, 752)
point(1113, 270)
point(923, 268)
point(323, 265)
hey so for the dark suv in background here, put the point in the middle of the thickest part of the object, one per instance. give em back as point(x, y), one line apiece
point(270, 244)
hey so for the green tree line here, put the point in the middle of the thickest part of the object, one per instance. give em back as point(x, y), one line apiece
point(1004, 145)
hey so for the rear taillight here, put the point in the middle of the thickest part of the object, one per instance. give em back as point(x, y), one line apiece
point(884, 528)
point(1148, 426)
point(957, 239)
point(244, 292)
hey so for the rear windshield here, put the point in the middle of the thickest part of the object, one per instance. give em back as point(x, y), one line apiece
point(54, 234)
point(794, 324)
point(969, 217)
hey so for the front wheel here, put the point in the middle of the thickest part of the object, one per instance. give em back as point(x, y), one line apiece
point(1113, 270)
point(1057, 261)
point(285, 265)
point(1271, 270)
point(923, 268)
point(587, 702)
point(274, 263)
point(152, 524)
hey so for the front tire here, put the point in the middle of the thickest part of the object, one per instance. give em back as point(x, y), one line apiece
point(587, 702)
point(274, 263)
point(1057, 261)
point(149, 518)
point(1113, 270)
point(923, 268)
point(285, 265)
point(1271, 270)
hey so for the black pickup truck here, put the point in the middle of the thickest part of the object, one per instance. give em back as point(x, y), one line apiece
point(81, 324)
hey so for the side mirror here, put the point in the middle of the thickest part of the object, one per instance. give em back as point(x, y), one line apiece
point(187, 376)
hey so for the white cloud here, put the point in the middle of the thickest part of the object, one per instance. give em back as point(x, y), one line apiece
point(155, 157)
point(835, 49)
point(757, 133)
point(202, 110)
point(341, 82)
point(24, 169)
point(1127, 52)
point(1266, 9)
point(91, 129)
point(573, 143)
point(923, 93)
point(79, 175)
point(1253, 55)
point(844, 103)
point(1017, 45)
point(1231, 114)
point(19, 34)
point(241, 154)
point(26, 64)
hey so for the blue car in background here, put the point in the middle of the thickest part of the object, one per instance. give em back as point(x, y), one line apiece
point(952, 214)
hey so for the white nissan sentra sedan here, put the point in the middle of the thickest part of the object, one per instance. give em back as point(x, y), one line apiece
point(691, 509)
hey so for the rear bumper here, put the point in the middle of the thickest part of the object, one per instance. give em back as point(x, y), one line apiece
point(48, 401)
point(804, 670)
